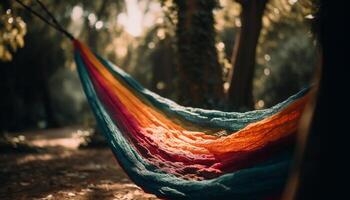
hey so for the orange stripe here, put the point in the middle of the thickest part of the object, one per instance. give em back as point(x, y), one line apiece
point(174, 136)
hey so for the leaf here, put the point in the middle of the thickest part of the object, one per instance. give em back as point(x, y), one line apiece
point(20, 41)
point(7, 56)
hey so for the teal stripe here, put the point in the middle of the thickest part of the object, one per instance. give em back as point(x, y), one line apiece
point(251, 183)
point(231, 121)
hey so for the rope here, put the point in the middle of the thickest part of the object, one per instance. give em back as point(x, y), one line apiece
point(49, 14)
point(54, 24)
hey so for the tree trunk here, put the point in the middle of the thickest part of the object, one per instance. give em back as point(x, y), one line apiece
point(306, 179)
point(240, 94)
point(200, 74)
point(163, 69)
point(51, 121)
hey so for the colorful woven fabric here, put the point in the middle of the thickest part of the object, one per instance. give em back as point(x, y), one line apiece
point(177, 152)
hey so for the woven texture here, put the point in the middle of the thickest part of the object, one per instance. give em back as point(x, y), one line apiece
point(178, 152)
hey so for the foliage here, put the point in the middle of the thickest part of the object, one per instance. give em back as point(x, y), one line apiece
point(148, 51)
point(286, 49)
point(12, 32)
point(286, 52)
point(287, 66)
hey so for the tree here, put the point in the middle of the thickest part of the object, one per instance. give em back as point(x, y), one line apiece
point(163, 67)
point(240, 93)
point(305, 178)
point(200, 74)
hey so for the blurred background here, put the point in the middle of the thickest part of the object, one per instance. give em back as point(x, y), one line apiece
point(189, 58)
point(232, 55)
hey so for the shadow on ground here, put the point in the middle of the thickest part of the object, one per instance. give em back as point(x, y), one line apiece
point(62, 171)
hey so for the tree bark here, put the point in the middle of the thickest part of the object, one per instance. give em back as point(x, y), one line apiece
point(200, 74)
point(240, 94)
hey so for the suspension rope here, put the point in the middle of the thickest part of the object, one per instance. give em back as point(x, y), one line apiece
point(53, 23)
point(49, 14)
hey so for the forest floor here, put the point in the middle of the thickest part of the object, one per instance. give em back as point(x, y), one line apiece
point(63, 171)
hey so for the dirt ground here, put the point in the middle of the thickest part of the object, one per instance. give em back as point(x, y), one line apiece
point(62, 171)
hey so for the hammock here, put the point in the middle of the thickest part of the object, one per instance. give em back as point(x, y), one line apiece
point(178, 152)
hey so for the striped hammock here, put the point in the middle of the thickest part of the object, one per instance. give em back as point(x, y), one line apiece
point(178, 152)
